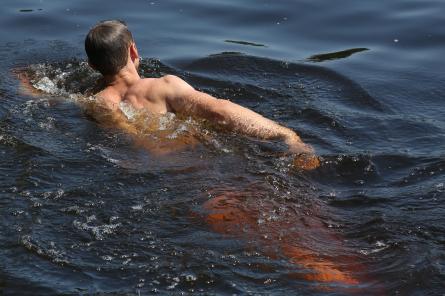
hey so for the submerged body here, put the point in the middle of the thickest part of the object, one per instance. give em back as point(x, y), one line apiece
point(293, 233)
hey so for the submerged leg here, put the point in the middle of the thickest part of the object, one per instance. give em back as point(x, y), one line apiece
point(231, 213)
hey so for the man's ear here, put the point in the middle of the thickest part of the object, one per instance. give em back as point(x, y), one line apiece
point(133, 52)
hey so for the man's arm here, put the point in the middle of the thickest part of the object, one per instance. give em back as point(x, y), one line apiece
point(183, 98)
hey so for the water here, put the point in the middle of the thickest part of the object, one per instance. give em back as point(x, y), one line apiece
point(86, 210)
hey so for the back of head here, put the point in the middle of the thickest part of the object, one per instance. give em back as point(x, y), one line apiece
point(107, 45)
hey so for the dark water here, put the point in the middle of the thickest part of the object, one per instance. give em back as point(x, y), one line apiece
point(84, 210)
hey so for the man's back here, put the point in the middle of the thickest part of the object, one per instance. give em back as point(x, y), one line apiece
point(145, 94)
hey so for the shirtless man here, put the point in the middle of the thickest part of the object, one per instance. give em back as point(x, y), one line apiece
point(112, 51)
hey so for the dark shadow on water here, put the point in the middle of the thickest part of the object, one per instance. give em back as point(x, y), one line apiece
point(245, 43)
point(30, 10)
point(335, 55)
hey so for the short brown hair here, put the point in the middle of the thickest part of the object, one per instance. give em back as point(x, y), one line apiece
point(107, 46)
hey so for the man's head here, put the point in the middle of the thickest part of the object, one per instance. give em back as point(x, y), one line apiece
point(109, 45)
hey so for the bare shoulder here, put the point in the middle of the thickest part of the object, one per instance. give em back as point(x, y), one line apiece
point(173, 86)
point(106, 100)
point(171, 79)
point(164, 87)
point(174, 82)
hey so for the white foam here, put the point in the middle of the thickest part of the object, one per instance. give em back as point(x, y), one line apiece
point(129, 111)
point(99, 231)
point(166, 120)
point(46, 85)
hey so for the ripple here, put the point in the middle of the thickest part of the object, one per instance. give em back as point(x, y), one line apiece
point(48, 250)
point(125, 220)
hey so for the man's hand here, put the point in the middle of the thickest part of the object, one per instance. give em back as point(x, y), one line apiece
point(305, 156)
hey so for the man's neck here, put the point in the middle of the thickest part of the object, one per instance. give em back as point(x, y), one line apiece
point(123, 80)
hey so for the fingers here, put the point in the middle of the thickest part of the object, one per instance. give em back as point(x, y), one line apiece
point(306, 161)
point(306, 158)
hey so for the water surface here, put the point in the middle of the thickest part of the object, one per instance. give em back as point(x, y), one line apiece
point(86, 210)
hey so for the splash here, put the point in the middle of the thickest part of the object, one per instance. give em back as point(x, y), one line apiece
point(75, 81)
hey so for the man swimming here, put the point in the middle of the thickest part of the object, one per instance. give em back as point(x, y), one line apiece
point(230, 211)
point(112, 51)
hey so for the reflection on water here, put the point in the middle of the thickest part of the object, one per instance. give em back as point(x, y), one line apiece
point(97, 211)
